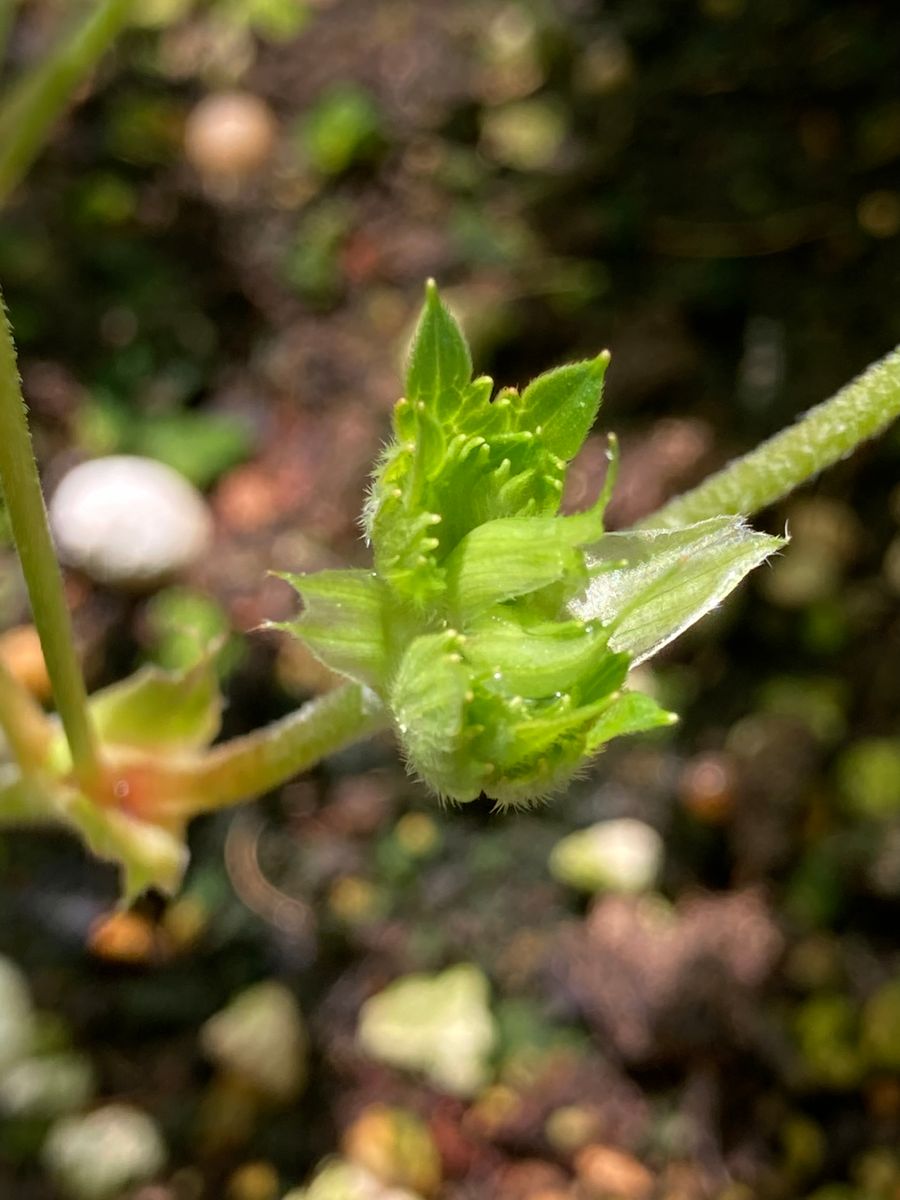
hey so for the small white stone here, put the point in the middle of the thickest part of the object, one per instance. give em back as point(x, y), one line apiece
point(260, 1037)
point(440, 1025)
point(623, 855)
point(230, 134)
point(341, 1180)
point(97, 1156)
point(129, 522)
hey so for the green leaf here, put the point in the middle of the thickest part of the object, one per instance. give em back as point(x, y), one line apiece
point(341, 128)
point(148, 855)
point(429, 698)
point(653, 584)
point(343, 622)
point(440, 366)
point(171, 711)
point(631, 712)
point(515, 556)
point(402, 528)
point(544, 751)
point(181, 623)
point(504, 559)
point(534, 659)
point(560, 406)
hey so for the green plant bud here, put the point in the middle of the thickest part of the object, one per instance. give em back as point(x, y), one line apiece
point(499, 632)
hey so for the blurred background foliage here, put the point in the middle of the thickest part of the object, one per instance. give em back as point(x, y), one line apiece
point(215, 263)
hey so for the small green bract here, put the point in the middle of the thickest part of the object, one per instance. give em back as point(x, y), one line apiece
point(498, 632)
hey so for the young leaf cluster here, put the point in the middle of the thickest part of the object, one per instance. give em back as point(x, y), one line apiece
point(485, 626)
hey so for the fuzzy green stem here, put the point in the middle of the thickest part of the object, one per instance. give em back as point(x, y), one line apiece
point(28, 518)
point(35, 102)
point(827, 433)
point(248, 766)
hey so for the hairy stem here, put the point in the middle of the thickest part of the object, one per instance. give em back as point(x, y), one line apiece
point(28, 518)
point(36, 101)
point(248, 766)
point(827, 433)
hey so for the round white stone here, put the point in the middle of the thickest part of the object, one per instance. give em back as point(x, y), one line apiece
point(129, 522)
point(230, 134)
point(622, 855)
point(97, 1156)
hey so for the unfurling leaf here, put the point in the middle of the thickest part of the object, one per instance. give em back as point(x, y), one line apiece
point(659, 582)
point(440, 365)
point(563, 404)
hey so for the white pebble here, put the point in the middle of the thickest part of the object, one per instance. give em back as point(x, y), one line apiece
point(622, 855)
point(95, 1157)
point(129, 522)
point(441, 1025)
point(230, 134)
point(260, 1038)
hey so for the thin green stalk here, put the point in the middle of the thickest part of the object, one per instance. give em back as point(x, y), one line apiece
point(28, 518)
point(248, 766)
point(35, 102)
point(827, 433)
